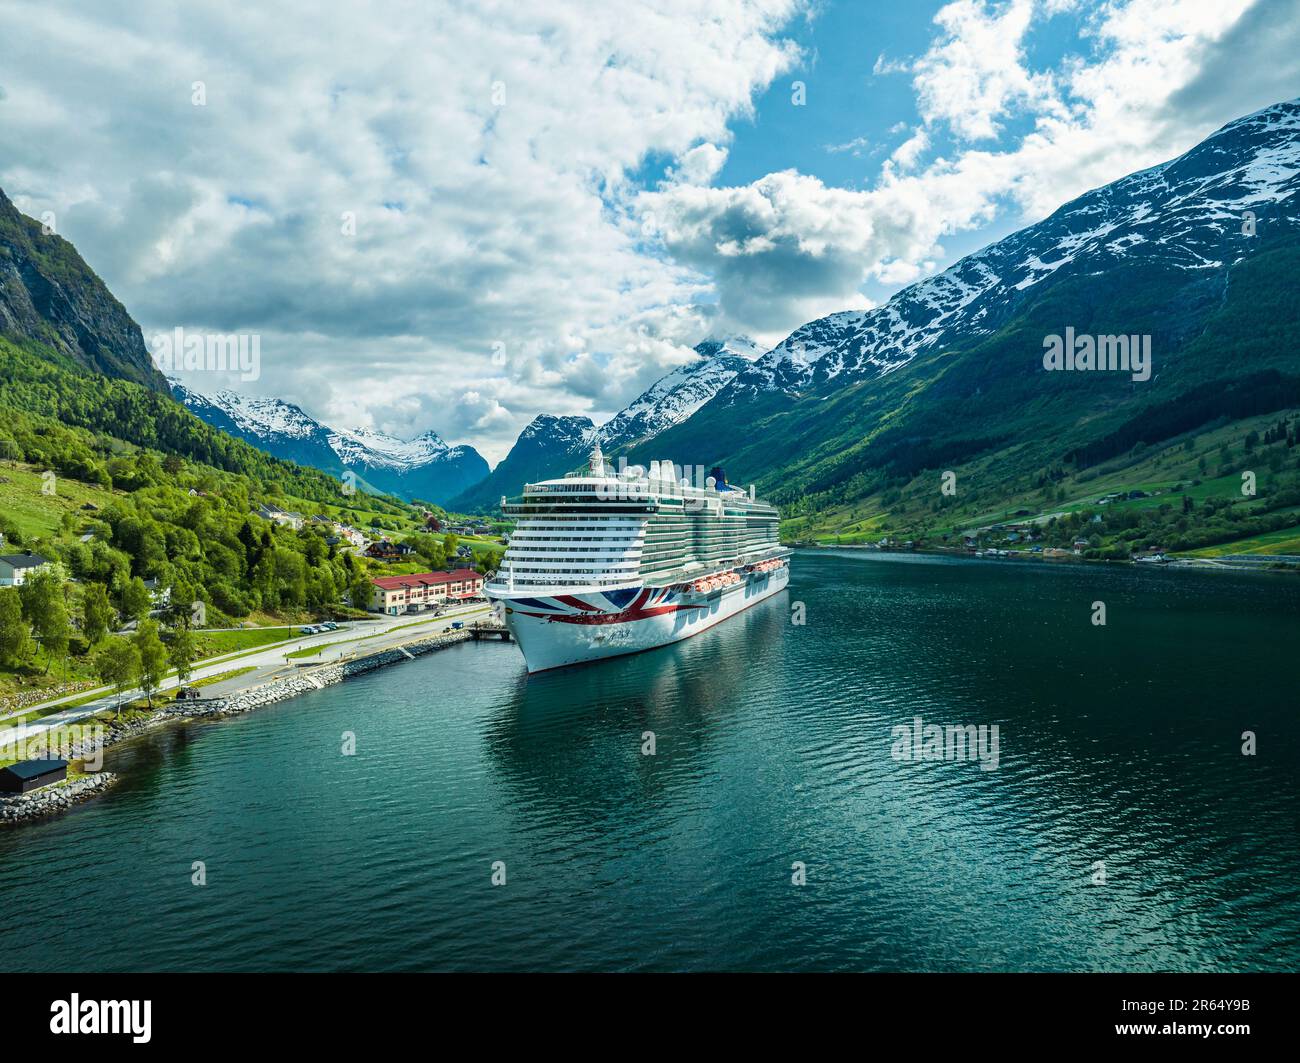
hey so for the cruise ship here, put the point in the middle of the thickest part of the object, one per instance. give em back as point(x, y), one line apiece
point(604, 563)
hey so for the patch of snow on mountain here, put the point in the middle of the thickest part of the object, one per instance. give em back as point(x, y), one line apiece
point(366, 447)
point(264, 417)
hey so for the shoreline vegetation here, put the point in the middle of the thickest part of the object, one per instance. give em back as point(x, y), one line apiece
point(1275, 563)
point(135, 720)
point(1231, 486)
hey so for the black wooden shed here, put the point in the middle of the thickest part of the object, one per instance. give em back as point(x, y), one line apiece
point(29, 774)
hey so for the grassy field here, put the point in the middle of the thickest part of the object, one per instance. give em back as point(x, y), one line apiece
point(36, 513)
point(219, 643)
point(1283, 541)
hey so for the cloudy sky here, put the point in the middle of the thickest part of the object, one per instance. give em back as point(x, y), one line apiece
point(457, 215)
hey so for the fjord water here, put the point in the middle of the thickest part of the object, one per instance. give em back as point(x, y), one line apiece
point(1119, 744)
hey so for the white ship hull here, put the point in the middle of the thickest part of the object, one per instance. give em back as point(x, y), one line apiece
point(576, 627)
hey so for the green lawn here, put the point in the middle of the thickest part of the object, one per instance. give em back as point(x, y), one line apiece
point(1282, 541)
point(37, 514)
point(219, 643)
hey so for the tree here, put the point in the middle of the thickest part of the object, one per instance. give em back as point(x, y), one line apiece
point(97, 616)
point(360, 591)
point(179, 611)
point(43, 605)
point(134, 599)
point(181, 653)
point(116, 665)
point(153, 658)
point(16, 644)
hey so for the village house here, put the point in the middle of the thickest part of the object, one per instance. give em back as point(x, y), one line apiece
point(424, 590)
point(386, 550)
point(276, 515)
point(15, 568)
point(1152, 554)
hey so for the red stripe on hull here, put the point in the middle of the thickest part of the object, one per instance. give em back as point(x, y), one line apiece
point(610, 618)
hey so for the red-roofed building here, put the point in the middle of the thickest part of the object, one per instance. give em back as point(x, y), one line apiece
point(424, 590)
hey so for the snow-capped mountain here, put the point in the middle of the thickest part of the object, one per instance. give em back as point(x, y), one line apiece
point(549, 446)
point(424, 467)
point(1196, 256)
point(1188, 212)
point(673, 398)
point(364, 448)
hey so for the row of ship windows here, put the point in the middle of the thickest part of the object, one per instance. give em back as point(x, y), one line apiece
point(650, 550)
point(576, 533)
point(546, 559)
point(579, 523)
point(541, 571)
point(590, 543)
point(551, 548)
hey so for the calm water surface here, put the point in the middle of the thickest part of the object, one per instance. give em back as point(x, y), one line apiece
point(1119, 744)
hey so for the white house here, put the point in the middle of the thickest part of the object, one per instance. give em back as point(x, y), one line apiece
point(15, 568)
point(279, 516)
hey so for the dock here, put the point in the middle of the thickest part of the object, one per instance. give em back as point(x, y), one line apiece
point(481, 629)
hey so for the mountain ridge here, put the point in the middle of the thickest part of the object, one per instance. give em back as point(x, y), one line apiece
point(50, 296)
point(425, 467)
point(949, 368)
point(550, 445)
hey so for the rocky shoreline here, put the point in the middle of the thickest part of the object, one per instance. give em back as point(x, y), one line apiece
point(51, 799)
point(61, 796)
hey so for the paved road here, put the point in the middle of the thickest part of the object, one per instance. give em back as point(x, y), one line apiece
point(385, 631)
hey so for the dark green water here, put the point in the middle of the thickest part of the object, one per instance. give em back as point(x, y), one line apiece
point(1119, 744)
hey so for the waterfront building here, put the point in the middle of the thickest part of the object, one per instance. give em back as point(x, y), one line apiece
point(424, 590)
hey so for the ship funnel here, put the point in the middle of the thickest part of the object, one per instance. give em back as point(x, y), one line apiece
point(751, 492)
point(597, 463)
point(654, 470)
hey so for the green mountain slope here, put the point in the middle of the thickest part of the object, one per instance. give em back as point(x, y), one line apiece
point(850, 422)
point(49, 294)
